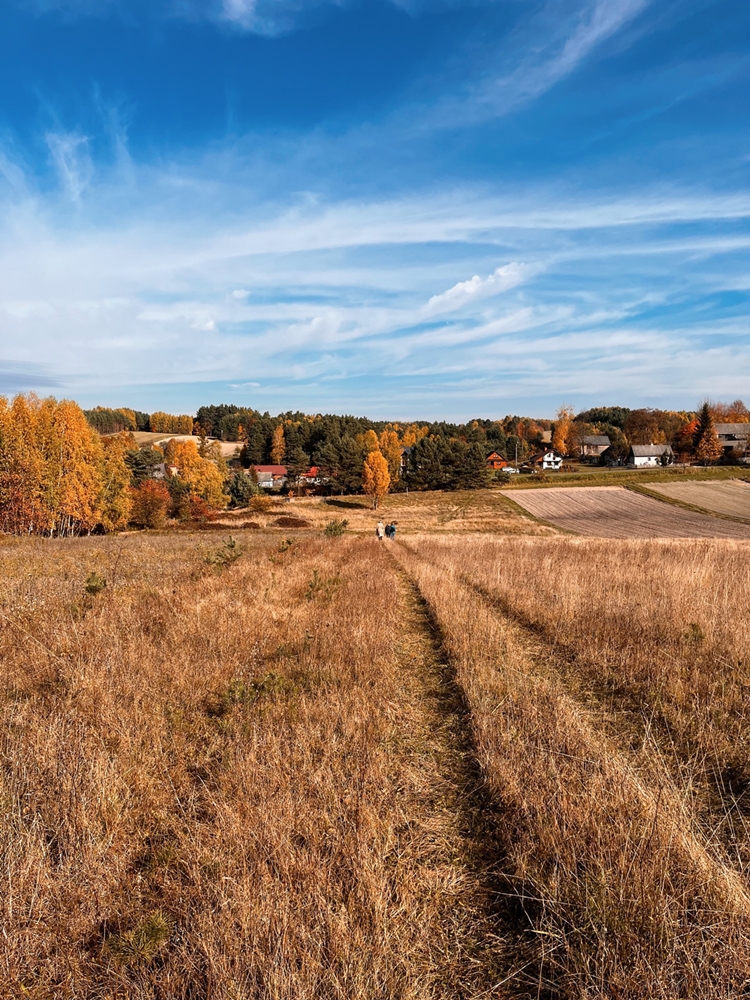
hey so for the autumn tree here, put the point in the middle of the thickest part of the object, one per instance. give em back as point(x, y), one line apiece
point(683, 443)
point(201, 475)
point(730, 413)
point(375, 477)
point(561, 436)
point(368, 441)
point(707, 445)
point(390, 449)
point(115, 499)
point(278, 445)
point(168, 423)
point(56, 475)
point(150, 503)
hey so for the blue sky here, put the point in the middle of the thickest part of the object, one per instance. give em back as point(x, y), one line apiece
point(398, 208)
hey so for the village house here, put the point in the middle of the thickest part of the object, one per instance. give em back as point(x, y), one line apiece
point(547, 460)
point(641, 456)
point(733, 438)
point(594, 445)
point(496, 461)
point(271, 477)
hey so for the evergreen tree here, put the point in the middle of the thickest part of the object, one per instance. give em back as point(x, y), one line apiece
point(707, 445)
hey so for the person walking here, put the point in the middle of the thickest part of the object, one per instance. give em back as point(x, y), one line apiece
point(380, 531)
point(393, 529)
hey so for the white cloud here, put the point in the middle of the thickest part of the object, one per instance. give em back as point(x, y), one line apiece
point(70, 156)
point(502, 279)
point(335, 292)
point(539, 53)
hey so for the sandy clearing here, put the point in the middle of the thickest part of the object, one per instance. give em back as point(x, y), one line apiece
point(731, 497)
point(614, 512)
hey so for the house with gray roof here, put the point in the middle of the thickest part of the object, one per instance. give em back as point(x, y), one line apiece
point(594, 445)
point(642, 456)
point(733, 437)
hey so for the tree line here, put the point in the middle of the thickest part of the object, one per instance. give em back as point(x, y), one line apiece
point(65, 471)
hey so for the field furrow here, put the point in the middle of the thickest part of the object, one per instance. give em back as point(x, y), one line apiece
point(615, 512)
point(731, 498)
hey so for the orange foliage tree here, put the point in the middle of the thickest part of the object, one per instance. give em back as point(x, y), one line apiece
point(390, 449)
point(168, 423)
point(150, 503)
point(375, 477)
point(561, 436)
point(278, 445)
point(56, 476)
point(203, 476)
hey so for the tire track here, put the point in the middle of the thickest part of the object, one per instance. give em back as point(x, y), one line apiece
point(553, 767)
point(492, 931)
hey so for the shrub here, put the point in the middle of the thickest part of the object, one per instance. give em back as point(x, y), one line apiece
point(140, 945)
point(94, 584)
point(229, 553)
point(291, 522)
point(151, 502)
point(260, 504)
point(335, 528)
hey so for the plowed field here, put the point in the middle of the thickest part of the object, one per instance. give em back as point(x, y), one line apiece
point(614, 512)
point(731, 497)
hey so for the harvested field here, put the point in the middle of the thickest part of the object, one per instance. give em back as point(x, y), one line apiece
point(731, 498)
point(615, 512)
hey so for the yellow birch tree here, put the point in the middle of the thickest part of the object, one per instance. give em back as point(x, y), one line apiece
point(375, 477)
point(278, 445)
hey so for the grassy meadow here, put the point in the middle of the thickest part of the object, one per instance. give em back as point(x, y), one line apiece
point(486, 760)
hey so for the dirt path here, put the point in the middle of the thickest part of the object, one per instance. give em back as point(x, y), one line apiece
point(458, 824)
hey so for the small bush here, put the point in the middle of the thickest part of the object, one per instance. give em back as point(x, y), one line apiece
point(141, 945)
point(322, 589)
point(229, 553)
point(260, 504)
point(335, 528)
point(94, 584)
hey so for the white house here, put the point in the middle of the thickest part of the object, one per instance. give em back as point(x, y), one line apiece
point(642, 456)
point(549, 459)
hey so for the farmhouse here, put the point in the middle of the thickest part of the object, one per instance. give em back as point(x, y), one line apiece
point(549, 459)
point(496, 461)
point(733, 437)
point(271, 476)
point(641, 456)
point(594, 445)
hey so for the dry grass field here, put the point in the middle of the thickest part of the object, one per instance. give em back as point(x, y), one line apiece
point(731, 498)
point(462, 766)
point(434, 512)
point(607, 684)
point(615, 512)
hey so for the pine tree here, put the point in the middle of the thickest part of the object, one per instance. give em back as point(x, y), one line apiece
point(707, 445)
